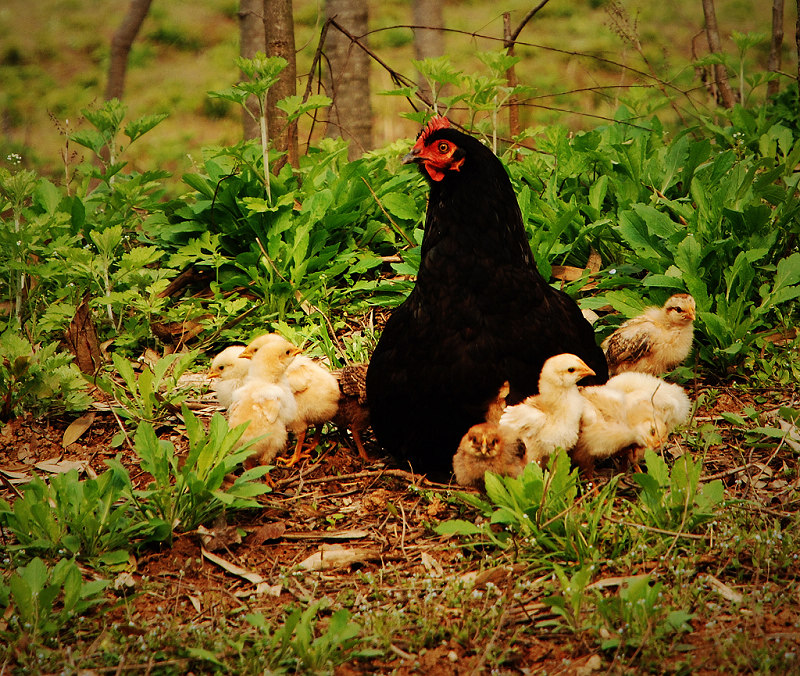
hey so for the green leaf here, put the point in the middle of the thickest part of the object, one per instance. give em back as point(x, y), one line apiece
point(401, 206)
point(456, 527)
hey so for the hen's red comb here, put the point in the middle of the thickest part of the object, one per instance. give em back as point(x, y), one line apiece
point(434, 124)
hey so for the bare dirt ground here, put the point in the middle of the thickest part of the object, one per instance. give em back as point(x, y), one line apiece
point(382, 517)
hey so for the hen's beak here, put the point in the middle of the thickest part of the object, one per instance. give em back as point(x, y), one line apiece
point(412, 156)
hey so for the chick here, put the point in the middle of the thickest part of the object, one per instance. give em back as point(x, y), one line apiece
point(265, 399)
point(614, 423)
point(494, 410)
point(670, 400)
point(316, 391)
point(656, 341)
point(353, 411)
point(632, 411)
point(228, 372)
point(488, 446)
point(551, 418)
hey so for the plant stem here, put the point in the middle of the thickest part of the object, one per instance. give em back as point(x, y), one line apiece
point(262, 123)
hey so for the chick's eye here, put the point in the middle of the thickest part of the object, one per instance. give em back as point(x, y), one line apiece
point(443, 147)
point(571, 369)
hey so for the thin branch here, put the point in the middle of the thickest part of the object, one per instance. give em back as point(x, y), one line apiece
point(526, 19)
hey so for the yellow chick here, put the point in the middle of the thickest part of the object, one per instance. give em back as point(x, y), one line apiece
point(316, 391)
point(228, 372)
point(551, 418)
point(656, 341)
point(353, 411)
point(614, 423)
point(265, 399)
point(629, 413)
point(670, 400)
point(488, 446)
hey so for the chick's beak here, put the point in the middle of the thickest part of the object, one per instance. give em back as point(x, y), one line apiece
point(213, 374)
point(690, 314)
point(246, 355)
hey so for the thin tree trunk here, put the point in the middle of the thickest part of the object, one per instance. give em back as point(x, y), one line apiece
point(350, 115)
point(121, 47)
point(251, 41)
point(797, 44)
point(511, 78)
point(775, 45)
point(428, 42)
point(715, 46)
point(279, 31)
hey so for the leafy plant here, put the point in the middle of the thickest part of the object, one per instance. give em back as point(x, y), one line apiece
point(638, 614)
point(87, 519)
point(184, 495)
point(152, 394)
point(674, 499)
point(539, 511)
point(307, 642)
point(37, 380)
point(45, 601)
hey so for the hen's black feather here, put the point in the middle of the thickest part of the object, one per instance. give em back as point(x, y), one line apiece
point(479, 314)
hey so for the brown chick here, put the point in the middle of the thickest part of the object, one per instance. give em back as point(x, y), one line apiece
point(551, 418)
point(316, 392)
point(656, 341)
point(265, 400)
point(496, 407)
point(353, 411)
point(228, 372)
point(488, 446)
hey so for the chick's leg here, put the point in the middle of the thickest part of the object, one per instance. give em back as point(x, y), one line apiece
point(298, 454)
point(360, 445)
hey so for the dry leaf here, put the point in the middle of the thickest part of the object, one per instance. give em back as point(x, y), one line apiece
point(232, 568)
point(16, 477)
point(433, 567)
point(336, 556)
point(60, 466)
point(195, 602)
point(219, 537)
point(269, 531)
point(81, 339)
point(566, 273)
point(724, 590)
point(76, 428)
point(595, 262)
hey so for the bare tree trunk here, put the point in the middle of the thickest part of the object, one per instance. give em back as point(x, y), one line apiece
point(797, 43)
point(774, 62)
point(251, 40)
point(350, 114)
point(428, 42)
point(121, 46)
point(715, 46)
point(279, 31)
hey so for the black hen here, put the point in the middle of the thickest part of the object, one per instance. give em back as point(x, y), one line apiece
point(479, 314)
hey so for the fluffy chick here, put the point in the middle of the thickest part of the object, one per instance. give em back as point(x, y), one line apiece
point(316, 391)
point(656, 341)
point(488, 446)
point(265, 399)
point(670, 400)
point(551, 418)
point(631, 412)
point(614, 423)
point(353, 411)
point(228, 372)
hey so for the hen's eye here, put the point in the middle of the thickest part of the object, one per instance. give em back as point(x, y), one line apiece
point(444, 147)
